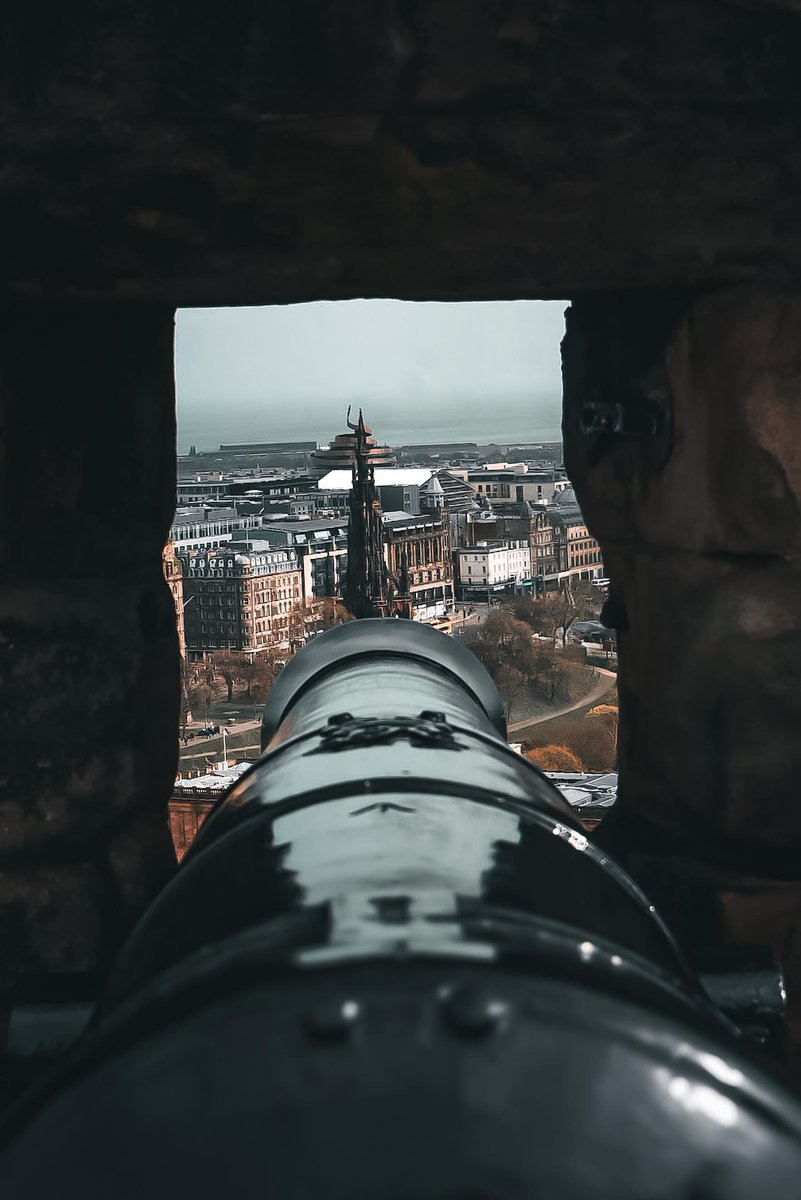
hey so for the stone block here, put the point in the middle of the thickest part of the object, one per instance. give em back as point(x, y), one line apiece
point(89, 664)
point(55, 919)
point(728, 370)
point(709, 700)
point(699, 519)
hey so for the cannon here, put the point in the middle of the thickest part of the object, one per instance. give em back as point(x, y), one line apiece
point(392, 965)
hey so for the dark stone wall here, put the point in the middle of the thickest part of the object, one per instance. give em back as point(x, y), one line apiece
point(88, 647)
point(240, 153)
point(700, 524)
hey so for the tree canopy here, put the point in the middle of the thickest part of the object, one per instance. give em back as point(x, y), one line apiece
point(555, 758)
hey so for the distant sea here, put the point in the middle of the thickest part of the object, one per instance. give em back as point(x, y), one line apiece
point(482, 421)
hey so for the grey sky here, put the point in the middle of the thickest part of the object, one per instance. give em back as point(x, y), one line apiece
point(235, 365)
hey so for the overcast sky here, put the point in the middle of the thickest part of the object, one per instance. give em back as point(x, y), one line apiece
point(384, 353)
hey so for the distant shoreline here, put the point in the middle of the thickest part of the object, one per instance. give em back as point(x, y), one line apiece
point(521, 443)
point(208, 442)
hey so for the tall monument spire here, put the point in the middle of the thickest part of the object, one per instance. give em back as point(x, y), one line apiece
point(365, 592)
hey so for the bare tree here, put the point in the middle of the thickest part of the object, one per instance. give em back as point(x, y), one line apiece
point(505, 647)
point(524, 608)
point(555, 758)
point(186, 711)
point(607, 715)
point(315, 616)
point(552, 672)
point(552, 614)
point(501, 643)
point(524, 668)
point(200, 696)
point(230, 666)
point(333, 612)
point(591, 738)
point(260, 675)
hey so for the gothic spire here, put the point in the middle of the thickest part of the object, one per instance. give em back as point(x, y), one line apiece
point(365, 592)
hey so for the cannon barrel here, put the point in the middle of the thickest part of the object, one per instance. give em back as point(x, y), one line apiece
point(393, 965)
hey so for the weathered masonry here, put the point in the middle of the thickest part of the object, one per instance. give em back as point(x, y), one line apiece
point(640, 159)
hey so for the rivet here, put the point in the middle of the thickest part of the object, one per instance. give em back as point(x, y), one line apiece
point(332, 1020)
point(471, 1011)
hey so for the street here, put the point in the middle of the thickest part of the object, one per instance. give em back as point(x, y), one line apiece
point(461, 625)
point(243, 735)
point(606, 681)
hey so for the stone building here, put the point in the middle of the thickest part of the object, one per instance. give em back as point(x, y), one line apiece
point(270, 489)
point(202, 528)
point(424, 541)
point(173, 573)
point(577, 552)
point(240, 600)
point(581, 553)
point(515, 484)
point(457, 494)
point(321, 547)
point(194, 797)
point(544, 545)
point(522, 522)
point(203, 488)
point(492, 567)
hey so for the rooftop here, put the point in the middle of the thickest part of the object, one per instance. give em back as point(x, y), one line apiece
point(310, 525)
point(398, 520)
point(584, 789)
point(217, 780)
point(340, 481)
